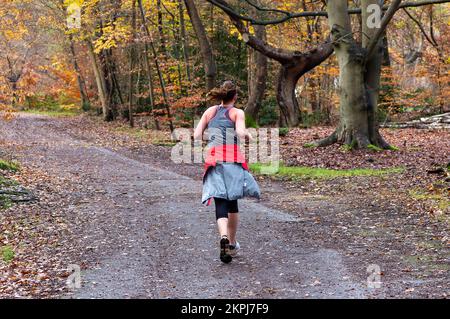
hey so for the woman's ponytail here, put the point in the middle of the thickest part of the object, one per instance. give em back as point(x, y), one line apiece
point(225, 93)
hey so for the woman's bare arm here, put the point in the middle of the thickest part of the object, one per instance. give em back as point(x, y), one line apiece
point(241, 131)
point(198, 133)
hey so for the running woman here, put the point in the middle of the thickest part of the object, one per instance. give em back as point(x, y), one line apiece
point(226, 178)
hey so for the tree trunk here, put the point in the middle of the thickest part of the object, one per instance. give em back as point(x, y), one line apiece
point(150, 85)
point(163, 86)
point(158, 70)
point(294, 65)
point(359, 79)
point(108, 64)
point(205, 46)
point(15, 97)
point(107, 75)
point(314, 86)
point(148, 68)
point(132, 63)
point(116, 84)
point(312, 82)
point(13, 79)
point(291, 71)
point(257, 77)
point(372, 76)
point(287, 100)
point(81, 84)
point(101, 82)
point(353, 128)
point(184, 40)
point(386, 56)
point(178, 51)
point(162, 38)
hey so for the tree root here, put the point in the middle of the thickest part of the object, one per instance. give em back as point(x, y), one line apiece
point(333, 138)
point(355, 140)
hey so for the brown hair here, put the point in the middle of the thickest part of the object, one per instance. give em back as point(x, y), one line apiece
point(226, 92)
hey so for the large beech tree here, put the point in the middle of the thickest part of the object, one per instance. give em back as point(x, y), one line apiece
point(360, 71)
point(359, 77)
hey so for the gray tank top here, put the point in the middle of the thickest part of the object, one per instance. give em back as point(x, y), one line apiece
point(221, 129)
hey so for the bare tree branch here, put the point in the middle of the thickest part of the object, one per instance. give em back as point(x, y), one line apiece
point(292, 15)
point(384, 23)
point(432, 27)
point(277, 54)
point(422, 29)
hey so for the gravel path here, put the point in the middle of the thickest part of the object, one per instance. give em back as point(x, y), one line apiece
point(146, 234)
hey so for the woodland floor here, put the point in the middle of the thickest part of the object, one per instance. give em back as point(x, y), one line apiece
point(111, 200)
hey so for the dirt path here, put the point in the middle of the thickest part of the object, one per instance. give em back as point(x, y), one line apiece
point(144, 234)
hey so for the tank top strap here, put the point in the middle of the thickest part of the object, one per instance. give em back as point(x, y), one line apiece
point(217, 110)
point(227, 113)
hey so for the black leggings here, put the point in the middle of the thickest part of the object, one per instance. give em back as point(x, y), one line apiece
point(224, 206)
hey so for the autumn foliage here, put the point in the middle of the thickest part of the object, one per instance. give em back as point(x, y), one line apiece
point(39, 70)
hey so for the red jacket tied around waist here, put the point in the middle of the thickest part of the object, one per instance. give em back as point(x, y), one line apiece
point(224, 153)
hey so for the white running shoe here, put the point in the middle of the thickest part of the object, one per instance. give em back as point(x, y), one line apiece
point(233, 249)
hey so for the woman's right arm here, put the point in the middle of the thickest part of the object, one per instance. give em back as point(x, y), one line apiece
point(241, 130)
point(198, 133)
